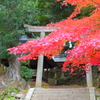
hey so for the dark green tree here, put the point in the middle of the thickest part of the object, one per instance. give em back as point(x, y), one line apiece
point(13, 14)
point(52, 11)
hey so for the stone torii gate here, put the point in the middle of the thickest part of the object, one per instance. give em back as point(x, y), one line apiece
point(42, 31)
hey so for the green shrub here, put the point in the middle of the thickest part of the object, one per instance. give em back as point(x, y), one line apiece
point(26, 72)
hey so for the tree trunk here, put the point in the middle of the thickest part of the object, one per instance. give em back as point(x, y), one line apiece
point(13, 70)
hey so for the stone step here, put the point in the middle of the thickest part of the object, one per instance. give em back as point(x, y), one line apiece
point(62, 98)
point(54, 89)
point(62, 91)
point(81, 89)
point(61, 94)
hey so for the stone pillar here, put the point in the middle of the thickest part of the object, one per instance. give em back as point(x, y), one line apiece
point(40, 67)
point(89, 77)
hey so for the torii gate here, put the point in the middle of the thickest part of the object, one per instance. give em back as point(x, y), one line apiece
point(42, 31)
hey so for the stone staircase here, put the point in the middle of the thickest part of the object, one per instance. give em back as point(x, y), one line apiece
point(61, 94)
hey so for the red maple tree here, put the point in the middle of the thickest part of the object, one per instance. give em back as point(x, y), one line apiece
point(85, 32)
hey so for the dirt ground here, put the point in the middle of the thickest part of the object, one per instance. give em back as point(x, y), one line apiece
point(6, 82)
point(46, 85)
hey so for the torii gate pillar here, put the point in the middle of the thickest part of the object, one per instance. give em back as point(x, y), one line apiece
point(40, 66)
point(89, 77)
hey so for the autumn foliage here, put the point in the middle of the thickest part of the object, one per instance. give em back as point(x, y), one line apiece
point(85, 32)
